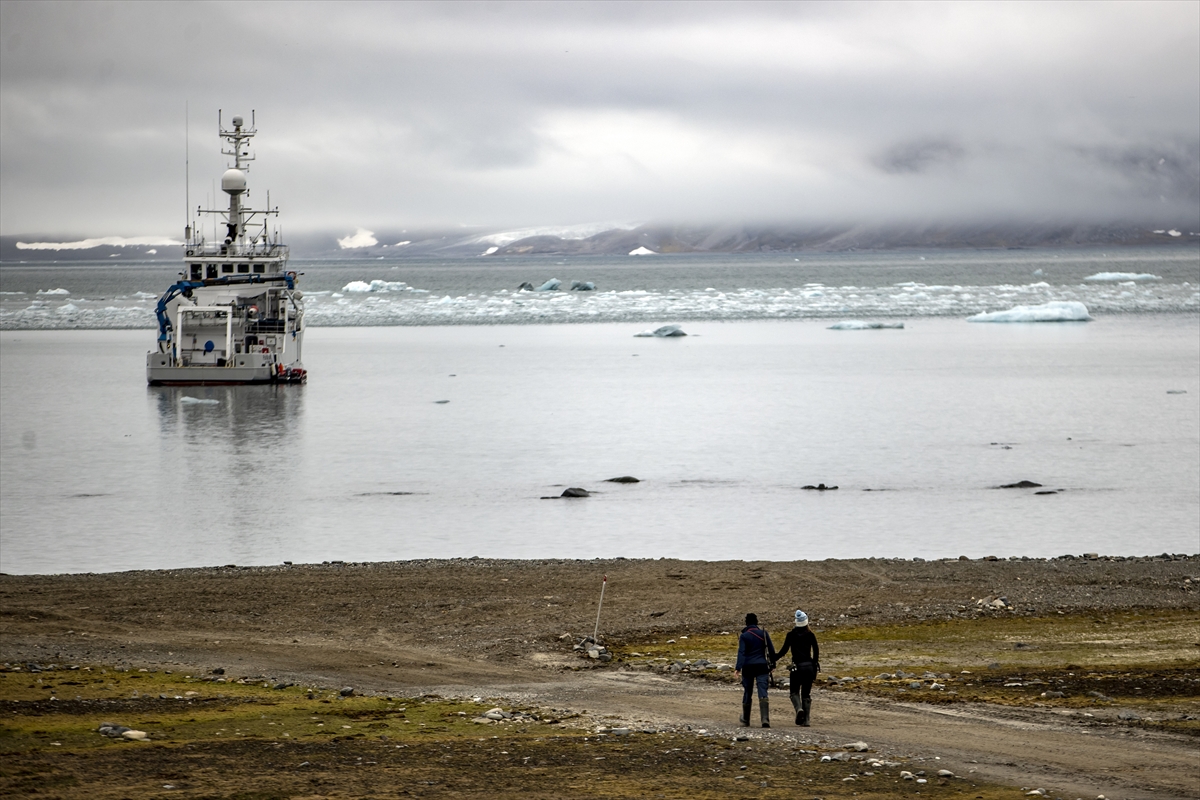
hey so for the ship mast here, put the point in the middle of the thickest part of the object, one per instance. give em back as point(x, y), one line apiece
point(233, 182)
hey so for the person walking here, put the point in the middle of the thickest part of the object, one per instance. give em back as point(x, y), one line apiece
point(806, 663)
point(755, 659)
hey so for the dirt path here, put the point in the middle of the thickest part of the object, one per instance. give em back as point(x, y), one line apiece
point(492, 629)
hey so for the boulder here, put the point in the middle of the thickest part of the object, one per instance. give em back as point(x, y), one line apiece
point(575, 491)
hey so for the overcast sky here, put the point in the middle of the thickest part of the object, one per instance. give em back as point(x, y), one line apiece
point(522, 114)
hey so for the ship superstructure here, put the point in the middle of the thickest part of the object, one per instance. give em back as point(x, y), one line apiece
point(235, 316)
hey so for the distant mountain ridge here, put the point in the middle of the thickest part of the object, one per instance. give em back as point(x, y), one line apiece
point(657, 238)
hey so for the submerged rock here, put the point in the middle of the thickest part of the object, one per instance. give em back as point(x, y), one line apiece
point(623, 479)
point(1019, 485)
point(663, 332)
point(575, 491)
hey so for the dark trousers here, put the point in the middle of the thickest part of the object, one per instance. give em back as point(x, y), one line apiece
point(750, 681)
point(801, 679)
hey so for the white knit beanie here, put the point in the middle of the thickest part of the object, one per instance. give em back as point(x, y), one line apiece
point(801, 619)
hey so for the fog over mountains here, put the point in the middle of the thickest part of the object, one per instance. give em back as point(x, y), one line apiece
point(624, 239)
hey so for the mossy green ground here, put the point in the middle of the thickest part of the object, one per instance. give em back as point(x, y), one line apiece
point(246, 739)
point(252, 742)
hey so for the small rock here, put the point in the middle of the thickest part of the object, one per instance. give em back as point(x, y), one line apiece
point(219, 671)
point(906, 775)
point(136, 736)
point(1020, 485)
point(945, 773)
point(1053, 694)
point(623, 479)
point(858, 747)
point(1129, 716)
point(575, 491)
point(663, 332)
point(347, 691)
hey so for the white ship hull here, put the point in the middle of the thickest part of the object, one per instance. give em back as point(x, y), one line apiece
point(243, 370)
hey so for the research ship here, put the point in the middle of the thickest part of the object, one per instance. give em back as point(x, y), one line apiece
point(235, 316)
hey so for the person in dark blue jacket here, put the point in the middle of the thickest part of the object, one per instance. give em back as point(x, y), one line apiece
point(756, 656)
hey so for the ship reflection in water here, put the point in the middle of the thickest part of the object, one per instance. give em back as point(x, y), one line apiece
point(236, 451)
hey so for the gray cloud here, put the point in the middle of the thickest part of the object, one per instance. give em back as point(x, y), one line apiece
point(919, 156)
point(390, 115)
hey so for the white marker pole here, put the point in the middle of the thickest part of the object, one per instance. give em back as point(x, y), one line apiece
point(596, 632)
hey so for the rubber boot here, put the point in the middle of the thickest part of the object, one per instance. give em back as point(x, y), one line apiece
point(805, 711)
point(744, 720)
point(795, 698)
point(764, 712)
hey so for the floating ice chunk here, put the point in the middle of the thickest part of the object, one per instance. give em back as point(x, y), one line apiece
point(861, 325)
point(1123, 276)
point(549, 286)
point(642, 251)
point(1055, 311)
point(664, 332)
point(582, 286)
point(53, 291)
point(69, 308)
point(198, 401)
point(376, 286)
point(1174, 232)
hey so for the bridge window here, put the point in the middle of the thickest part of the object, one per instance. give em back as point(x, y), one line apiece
point(197, 271)
point(227, 269)
point(244, 268)
point(259, 268)
point(210, 271)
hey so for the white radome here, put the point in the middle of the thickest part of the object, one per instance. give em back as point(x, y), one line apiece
point(233, 181)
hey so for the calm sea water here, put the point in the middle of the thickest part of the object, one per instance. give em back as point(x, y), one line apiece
point(724, 427)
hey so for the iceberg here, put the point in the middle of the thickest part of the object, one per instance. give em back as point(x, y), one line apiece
point(860, 325)
point(1123, 276)
point(1056, 311)
point(549, 286)
point(666, 331)
point(642, 251)
point(582, 286)
point(376, 286)
point(53, 291)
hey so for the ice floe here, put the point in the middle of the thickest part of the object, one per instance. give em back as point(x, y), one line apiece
point(1058, 311)
point(1123, 276)
point(549, 286)
point(53, 291)
point(861, 325)
point(377, 286)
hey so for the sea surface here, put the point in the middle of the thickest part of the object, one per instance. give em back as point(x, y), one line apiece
point(424, 433)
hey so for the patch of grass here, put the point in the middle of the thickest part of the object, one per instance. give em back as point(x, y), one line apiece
point(181, 709)
point(499, 763)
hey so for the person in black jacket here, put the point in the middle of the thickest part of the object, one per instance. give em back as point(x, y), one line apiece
point(806, 663)
point(755, 660)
